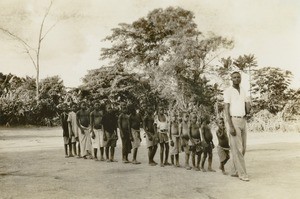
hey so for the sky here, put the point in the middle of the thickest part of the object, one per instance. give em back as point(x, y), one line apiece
point(269, 29)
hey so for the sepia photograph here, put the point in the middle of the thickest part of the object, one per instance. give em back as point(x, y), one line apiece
point(149, 99)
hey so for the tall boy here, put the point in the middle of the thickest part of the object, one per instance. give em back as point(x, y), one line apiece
point(73, 128)
point(195, 141)
point(175, 139)
point(96, 130)
point(83, 121)
point(161, 128)
point(208, 144)
point(135, 122)
point(151, 136)
point(66, 133)
point(124, 127)
point(184, 135)
point(110, 124)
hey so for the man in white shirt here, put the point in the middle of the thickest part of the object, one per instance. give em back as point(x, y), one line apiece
point(237, 107)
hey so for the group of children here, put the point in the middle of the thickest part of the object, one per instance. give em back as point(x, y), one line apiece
point(96, 128)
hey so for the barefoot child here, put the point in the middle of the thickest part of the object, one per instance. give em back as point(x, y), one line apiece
point(96, 130)
point(110, 124)
point(66, 134)
point(195, 141)
point(175, 139)
point(73, 128)
point(135, 122)
point(83, 121)
point(223, 147)
point(151, 136)
point(184, 135)
point(207, 143)
point(124, 127)
point(161, 128)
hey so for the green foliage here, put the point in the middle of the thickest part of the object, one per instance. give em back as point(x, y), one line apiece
point(270, 88)
point(18, 104)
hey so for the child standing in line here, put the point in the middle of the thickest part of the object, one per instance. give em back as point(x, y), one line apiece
point(66, 134)
point(207, 144)
point(135, 122)
point(124, 127)
point(175, 139)
point(73, 129)
point(184, 135)
point(195, 141)
point(151, 136)
point(223, 147)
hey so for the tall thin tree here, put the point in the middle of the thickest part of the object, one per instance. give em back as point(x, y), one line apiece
point(34, 53)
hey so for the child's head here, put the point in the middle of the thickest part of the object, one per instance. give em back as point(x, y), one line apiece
point(193, 117)
point(220, 122)
point(205, 119)
point(97, 106)
point(186, 117)
point(174, 116)
point(74, 107)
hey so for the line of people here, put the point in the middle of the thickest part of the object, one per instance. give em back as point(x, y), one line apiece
point(87, 129)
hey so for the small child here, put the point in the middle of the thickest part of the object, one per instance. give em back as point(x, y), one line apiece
point(207, 143)
point(175, 139)
point(223, 147)
point(66, 134)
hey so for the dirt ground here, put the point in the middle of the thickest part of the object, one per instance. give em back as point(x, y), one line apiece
point(33, 166)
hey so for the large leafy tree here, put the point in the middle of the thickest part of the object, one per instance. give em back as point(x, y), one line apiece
point(167, 46)
point(270, 88)
point(115, 85)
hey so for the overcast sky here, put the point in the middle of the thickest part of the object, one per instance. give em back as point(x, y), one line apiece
point(269, 29)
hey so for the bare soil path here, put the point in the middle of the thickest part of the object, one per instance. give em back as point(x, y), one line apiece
point(33, 166)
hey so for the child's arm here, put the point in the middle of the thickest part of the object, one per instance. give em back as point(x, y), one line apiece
point(190, 134)
point(119, 125)
point(92, 123)
point(170, 133)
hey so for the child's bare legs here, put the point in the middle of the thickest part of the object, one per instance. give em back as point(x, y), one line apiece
point(167, 154)
point(203, 161)
point(101, 153)
point(151, 153)
point(112, 153)
point(195, 167)
point(66, 151)
point(79, 151)
point(187, 159)
point(107, 153)
point(134, 161)
point(222, 164)
point(74, 148)
point(210, 155)
point(172, 159)
point(162, 148)
point(177, 160)
point(70, 150)
point(95, 153)
point(198, 160)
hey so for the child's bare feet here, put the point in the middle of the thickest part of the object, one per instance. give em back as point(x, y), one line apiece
point(135, 162)
point(203, 170)
point(167, 164)
point(211, 170)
